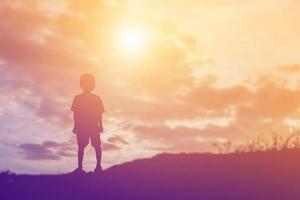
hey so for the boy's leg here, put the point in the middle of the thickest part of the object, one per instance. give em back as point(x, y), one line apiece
point(80, 156)
point(95, 139)
point(82, 141)
point(98, 156)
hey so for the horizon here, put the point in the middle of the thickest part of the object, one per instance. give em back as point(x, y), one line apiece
point(226, 71)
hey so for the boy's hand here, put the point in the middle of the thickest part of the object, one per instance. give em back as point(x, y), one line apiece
point(100, 129)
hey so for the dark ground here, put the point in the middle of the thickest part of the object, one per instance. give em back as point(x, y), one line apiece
point(249, 176)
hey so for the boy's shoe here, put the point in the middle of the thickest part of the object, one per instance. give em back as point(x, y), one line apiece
point(78, 171)
point(98, 170)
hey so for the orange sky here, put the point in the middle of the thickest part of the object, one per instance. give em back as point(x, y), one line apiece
point(201, 72)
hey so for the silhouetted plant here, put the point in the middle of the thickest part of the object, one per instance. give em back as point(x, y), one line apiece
point(275, 142)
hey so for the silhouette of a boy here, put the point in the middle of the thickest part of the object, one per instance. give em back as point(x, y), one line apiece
point(88, 109)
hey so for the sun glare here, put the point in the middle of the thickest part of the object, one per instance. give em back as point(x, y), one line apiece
point(132, 39)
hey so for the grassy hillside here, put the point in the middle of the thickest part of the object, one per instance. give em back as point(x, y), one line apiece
point(269, 175)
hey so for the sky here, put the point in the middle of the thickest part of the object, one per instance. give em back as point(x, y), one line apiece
point(174, 76)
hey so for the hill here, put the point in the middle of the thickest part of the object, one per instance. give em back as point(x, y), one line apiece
point(250, 176)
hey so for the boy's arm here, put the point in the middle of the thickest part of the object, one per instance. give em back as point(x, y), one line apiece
point(74, 108)
point(75, 122)
point(100, 124)
point(101, 111)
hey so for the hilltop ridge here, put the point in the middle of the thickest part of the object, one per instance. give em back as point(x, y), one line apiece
point(249, 176)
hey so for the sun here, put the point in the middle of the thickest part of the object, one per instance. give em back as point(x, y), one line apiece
point(132, 39)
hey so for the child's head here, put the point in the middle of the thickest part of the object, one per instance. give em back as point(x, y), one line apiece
point(87, 82)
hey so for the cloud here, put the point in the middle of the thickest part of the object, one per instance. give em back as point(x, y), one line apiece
point(289, 69)
point(48, 150)
point(183, 139)
point(249, 111)
point(165, 134)
point(109, 147)
point(118, 140)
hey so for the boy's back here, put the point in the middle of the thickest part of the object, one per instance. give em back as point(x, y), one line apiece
point(88, 109)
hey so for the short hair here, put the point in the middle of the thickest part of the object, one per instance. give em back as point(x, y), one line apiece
point(87, 82)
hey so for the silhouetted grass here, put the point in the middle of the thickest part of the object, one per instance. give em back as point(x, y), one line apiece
point(271, 142)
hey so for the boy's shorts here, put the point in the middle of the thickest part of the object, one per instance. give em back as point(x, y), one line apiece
point(83, 139)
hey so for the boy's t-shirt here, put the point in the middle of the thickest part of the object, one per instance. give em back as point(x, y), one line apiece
point(87, 109)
